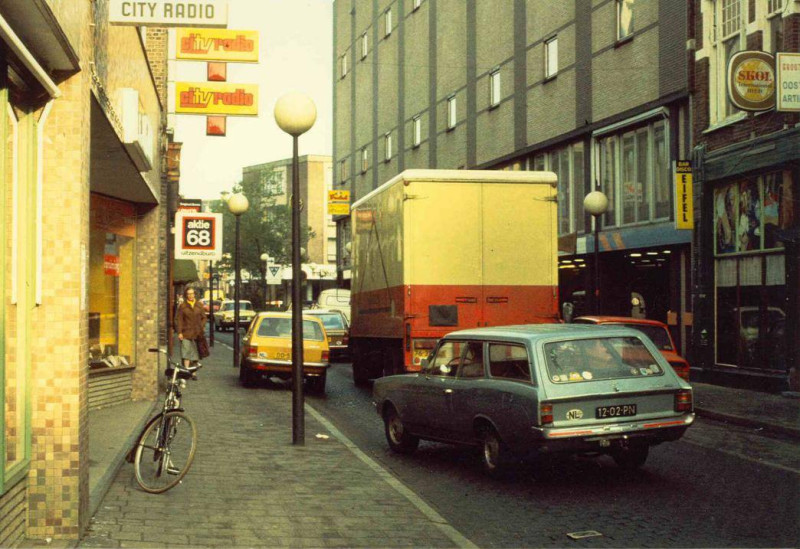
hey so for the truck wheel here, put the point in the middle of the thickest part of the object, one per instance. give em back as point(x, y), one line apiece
point(399, 439)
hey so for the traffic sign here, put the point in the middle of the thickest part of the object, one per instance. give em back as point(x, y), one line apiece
point(198, 235)
point(274, 274)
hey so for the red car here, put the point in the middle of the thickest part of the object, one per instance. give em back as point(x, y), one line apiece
point(655, 330)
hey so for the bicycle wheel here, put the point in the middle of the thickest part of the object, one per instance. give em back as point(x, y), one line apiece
point(165, 451)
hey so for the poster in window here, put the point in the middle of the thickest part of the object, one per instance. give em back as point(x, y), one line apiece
point(725, 218)
point(779, 211)
point(748, 235)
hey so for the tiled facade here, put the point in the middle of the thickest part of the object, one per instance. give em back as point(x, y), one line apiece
point(64, 121)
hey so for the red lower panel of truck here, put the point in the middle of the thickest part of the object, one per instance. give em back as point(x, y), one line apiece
point(433, 311)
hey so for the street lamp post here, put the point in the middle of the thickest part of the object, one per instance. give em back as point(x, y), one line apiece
point(237, 204)
point(266, 258)
point(295, 113)
point(596, 203)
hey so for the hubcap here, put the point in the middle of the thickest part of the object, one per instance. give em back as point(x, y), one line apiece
point(490, 450)
point(396, 429)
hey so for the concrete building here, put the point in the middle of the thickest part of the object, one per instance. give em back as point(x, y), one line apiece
point(83, 267)
point(746, 209)
point(596, 91)
point(316, 179)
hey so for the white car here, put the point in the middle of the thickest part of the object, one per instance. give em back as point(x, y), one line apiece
point(224, 318)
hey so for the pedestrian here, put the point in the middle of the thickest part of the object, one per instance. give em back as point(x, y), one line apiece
point(190, 321)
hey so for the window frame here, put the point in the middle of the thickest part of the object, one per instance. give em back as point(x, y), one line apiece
point(550, 52)
point(619, 8)
point(364, 45)
point(416, 131)
point(495, 88)
point(544, 161)
point(343, 66)
point(416, 6)
point(452, 113)
point(726, 39)
point(387, 145)
point(344, 174)
point(387, 21)
point(364, 159)
point(487, 359)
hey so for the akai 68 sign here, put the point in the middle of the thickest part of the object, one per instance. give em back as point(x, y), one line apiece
point(198, 235)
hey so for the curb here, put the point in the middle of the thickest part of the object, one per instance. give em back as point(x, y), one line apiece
point(748, 422)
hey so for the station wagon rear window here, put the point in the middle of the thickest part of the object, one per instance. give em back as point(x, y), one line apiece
point(282, 327)
point(582, 360)
point(331, 321)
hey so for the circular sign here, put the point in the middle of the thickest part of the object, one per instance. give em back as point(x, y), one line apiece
point(751, 80)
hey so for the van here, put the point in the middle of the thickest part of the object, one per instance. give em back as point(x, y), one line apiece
point(337, 299)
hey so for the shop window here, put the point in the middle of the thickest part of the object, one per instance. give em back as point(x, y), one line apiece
point(112, 309)
point(634, 174)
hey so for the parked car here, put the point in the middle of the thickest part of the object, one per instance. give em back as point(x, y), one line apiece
point(555, 388)
point(657, 331)
point(224, 318)
point(338, 330)
point(267, 350)
point(337, 299)
point(207, 306)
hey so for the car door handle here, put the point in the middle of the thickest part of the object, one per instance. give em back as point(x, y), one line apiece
point(448, 391)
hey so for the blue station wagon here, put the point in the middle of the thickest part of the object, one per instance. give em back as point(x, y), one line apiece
point(551, 388)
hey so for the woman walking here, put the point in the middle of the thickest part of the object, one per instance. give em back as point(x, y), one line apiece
point(190, 321)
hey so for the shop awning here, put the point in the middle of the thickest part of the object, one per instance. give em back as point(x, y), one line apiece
point(184, 271)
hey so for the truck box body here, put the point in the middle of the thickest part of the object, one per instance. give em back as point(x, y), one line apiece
point(441, 250)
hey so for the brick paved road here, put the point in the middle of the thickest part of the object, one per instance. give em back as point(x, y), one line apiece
point(250, 487)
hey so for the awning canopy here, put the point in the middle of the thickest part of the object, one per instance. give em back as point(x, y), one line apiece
point(184, 271)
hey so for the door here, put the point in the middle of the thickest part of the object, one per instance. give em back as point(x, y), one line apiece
point(430, 406)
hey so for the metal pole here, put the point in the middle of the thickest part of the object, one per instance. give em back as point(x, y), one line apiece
point(597, 265)
point(298, 418)
point(211, 304)
point(236, 282)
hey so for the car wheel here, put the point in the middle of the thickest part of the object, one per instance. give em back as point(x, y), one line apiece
point(494, 454)
point(631, 458)
point(398, 437)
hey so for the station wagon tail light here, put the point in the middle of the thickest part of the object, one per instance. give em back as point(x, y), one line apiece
point(546, 413)
point(683, 401)
point(326, 356)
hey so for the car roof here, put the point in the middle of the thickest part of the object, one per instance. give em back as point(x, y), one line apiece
point(542, 331)
point(278, 314)
point(326, 311)
point(600, 319)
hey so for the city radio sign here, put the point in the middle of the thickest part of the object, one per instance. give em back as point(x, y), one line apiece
point(169, 13)
point(198, 236)
point(209, 98)
point(751, 80)
point(230, 46)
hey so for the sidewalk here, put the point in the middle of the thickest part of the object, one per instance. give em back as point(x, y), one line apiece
point(249, 486)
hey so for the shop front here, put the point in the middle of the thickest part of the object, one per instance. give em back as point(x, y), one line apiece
point(747, 273)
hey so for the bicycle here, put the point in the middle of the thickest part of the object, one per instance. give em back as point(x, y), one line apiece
point(165, 449)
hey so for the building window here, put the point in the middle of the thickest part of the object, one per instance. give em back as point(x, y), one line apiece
point(774, 6)
point(343, 171)
point(364, 45)
point(727, 38)
point(551, 57)
point(331, 250)
point(494, 88)
point(387, 20)
point(451, 112)
point(567, 164)
point(387, 145)
point(417, 4)
point(343, 65)
point(634, 175)
point(364, 160)
point(624, 19)
point(416, 132)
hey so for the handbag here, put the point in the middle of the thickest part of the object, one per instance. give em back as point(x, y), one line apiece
point(202, 346)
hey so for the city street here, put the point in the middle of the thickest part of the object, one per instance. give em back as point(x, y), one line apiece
point(716, 487)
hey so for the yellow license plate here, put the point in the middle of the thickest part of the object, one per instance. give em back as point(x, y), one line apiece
point(283, 356)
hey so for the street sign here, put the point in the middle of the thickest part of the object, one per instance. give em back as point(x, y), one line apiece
point(684, 208)
point(169, 13)
point(198, 236)
point(274, 274)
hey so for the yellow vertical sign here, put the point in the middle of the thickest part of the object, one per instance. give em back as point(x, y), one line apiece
point(684, 209)
point(339, 202)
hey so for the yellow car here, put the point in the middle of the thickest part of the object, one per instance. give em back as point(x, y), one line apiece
point(267, 350)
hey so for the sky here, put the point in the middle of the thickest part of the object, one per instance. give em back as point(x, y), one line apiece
point(295, 52)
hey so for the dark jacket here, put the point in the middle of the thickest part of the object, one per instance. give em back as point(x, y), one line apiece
point(189, 320)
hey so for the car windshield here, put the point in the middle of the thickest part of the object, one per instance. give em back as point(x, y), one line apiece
point(657, 335)
point(331, 321)
point(243, 306)
point(282, 327)
point(582, 360)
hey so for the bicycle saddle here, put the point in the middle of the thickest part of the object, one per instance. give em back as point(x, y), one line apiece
point(183, 373)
